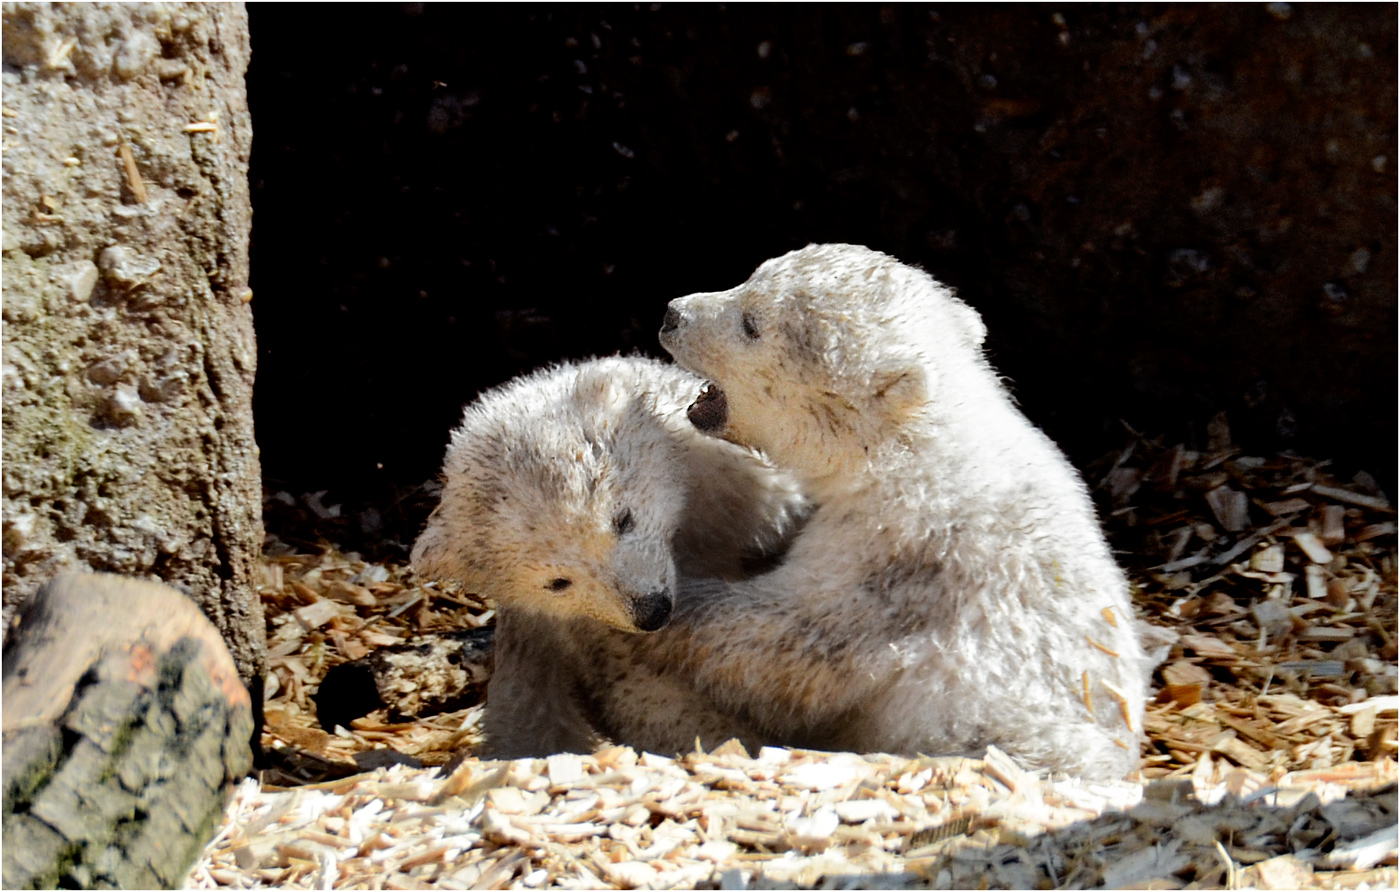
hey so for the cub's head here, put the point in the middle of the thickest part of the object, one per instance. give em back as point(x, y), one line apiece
point(823, 354)
point(556, 498)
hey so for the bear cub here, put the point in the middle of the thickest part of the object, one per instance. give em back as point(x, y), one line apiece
point(952, 587)
point(577, 497)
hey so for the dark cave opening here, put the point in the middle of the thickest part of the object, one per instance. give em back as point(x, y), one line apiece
point(448, 195)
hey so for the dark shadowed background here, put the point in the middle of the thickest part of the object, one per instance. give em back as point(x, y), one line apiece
point(1161, 211)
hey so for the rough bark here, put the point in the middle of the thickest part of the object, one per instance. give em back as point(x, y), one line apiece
point(128, 344)
point(125, 727)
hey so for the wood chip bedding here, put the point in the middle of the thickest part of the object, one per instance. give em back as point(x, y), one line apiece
point(1270, 760)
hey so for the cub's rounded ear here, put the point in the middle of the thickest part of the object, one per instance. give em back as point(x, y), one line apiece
point(900, 388)
point(435, 557)
point(429, 557)
point(599, 392)
point(971, 329)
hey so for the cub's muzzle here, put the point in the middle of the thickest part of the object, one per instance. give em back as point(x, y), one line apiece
point(672, 320)
point(650, 612)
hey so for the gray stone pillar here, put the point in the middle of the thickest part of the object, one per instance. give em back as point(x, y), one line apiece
point(128, 339)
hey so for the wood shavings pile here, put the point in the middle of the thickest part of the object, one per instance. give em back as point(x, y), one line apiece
point(1270, 758)
point(1280, 582)
point(330, 608)
point(788, 819)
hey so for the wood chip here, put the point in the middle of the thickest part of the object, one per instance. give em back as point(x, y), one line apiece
point(1363, 853)
point(1241, 753)
point(1122, 701)
point(565, 769)
point(1287, 506)
point(133, 173)
point(1333, 529)
point(1375, 530)
point(1268, 559)
point(1380, 704)
point(1312, 546)
point(1352, 498)
point(1316, 579)
point(313, 616)
point(1318, 633)
point(1207, 645)
point(1182, 672)
point(1282, 872)
point(1230, 506)
point(349, 593)
point(1105, 649)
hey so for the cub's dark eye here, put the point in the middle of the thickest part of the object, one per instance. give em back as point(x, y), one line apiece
point(623, 523)
point(750, 327)
point(558, 585)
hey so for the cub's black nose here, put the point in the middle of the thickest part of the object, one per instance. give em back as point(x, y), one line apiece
point(672, 320)
point(650, 612)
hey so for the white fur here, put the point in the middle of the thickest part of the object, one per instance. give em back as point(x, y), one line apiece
point(537, 482)
point(952, 588)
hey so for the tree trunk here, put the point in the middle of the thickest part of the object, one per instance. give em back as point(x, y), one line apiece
point(128, 345)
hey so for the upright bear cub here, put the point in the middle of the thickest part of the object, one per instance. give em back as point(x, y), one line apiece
point(576, 497)
point(952, 588)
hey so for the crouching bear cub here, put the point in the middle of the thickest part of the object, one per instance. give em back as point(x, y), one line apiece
point(952, 588)
point(576, 497)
